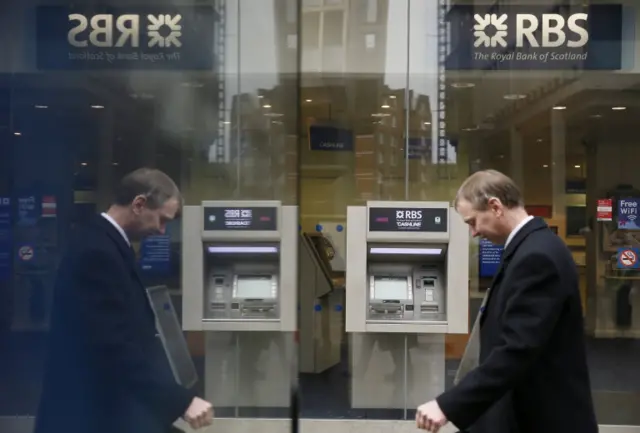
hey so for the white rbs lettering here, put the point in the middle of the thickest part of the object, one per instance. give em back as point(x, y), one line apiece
point(102, 32)
point(552, 24)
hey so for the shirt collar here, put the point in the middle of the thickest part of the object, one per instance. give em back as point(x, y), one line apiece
point(117, 226)
point(517, 229)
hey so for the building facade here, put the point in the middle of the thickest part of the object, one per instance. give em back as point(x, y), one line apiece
point(323, 104)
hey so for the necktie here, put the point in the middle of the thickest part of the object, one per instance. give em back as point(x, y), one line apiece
point(471, 356)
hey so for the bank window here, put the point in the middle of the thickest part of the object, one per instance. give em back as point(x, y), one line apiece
point(333, 29)
point(371, 13)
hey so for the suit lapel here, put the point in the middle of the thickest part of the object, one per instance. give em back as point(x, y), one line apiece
point(127, 252)
point(533, 225)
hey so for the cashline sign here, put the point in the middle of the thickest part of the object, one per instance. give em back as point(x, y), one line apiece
point(386, 219)
point(240, 218)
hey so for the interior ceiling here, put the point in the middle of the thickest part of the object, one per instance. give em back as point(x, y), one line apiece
point(592, 113)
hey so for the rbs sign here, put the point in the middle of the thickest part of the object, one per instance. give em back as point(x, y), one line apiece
point(553, 29)
point(160, 37)
point(552, 25)
point(107, 30)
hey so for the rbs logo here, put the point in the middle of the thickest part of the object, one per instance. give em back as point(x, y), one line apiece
point(553, 28)
point(108, 31)
point(408, 214)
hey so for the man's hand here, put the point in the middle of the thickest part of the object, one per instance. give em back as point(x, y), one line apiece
point(199, 414)
point(429, 417)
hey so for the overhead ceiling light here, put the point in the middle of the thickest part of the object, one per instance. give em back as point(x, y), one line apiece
point(514, 96)
point(427, 123)
point(380, 115)
point(596, 116)
point(618, 108)
point(423, 251)
point(84, 164)
point(308, 100)
point(392, 96)
point(97, 107)
point(17, 134)
point(539, 140)
point(385, 106)
point(114, 163)
point(266, 106)
point(576, 166)
point(41, 106)
point(546, 166)
point(559, 107)
point(462, 85)
point(226, 122)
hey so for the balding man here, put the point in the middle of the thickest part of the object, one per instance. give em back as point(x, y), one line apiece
point(105, 371)
point(526, 358)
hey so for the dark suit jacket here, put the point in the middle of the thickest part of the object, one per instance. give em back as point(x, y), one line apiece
point(532, 375)
point(105, 370)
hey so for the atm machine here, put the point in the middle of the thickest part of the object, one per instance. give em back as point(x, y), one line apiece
point(407, 279)
point(239, 277)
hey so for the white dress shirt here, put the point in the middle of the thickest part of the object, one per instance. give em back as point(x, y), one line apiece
point(117, 226)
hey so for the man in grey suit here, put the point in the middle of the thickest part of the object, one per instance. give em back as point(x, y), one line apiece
point(525, 368)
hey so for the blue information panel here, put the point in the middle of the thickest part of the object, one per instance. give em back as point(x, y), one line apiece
point(155, 254)
point(6, 245)
point(490, 255)
point(330, 138)
point(158, 37)
point(628, 213)
point(29, 209)
point(420, 148)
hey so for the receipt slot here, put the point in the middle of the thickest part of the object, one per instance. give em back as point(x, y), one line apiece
point(239, 279)
point(407, 284)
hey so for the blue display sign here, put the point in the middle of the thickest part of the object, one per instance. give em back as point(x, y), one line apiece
point(535, 37)
point(6, 242)
point(331, 138)
point(628, 213)
point(29, 210)
point(490, 256)
point(157, 37)
point(155, 254)
point(420, 148)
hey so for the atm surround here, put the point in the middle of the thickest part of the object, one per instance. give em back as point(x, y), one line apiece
point(407, 285)
point(407, 268)
point(237, 272)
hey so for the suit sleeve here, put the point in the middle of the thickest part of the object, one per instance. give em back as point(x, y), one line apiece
point(530, 316)
point(98, 286)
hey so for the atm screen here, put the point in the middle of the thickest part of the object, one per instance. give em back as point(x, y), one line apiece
point(390, 288)
point(254, 287)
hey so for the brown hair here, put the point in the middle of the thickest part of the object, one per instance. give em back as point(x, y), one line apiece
point(153, 184)
point(483, 185)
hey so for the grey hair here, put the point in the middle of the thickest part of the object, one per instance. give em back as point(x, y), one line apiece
point(484, 185)
point(156, 186)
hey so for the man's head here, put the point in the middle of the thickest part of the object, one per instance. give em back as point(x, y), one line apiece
point(145, 201)
point(491, 204)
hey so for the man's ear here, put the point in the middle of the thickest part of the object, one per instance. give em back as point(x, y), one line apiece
point(139, 203)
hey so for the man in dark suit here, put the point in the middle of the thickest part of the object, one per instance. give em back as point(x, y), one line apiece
point(105, 369)
point(531, 375)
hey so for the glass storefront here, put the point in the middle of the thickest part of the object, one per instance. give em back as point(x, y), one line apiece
point(322, 104)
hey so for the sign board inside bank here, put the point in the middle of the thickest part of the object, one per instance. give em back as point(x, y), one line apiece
point(535, 37)
point(162, 37)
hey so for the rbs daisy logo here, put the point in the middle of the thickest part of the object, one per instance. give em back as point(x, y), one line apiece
point(482, 22)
